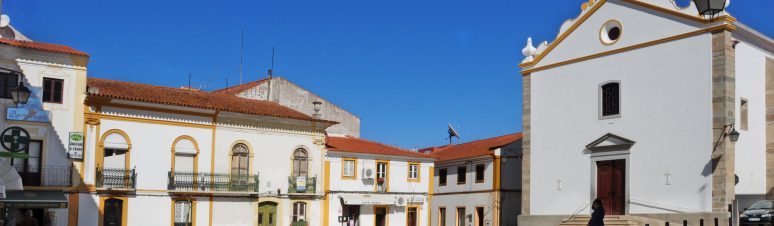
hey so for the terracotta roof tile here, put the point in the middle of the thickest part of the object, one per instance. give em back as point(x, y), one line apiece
point(472, 149)
point(233, 90)
point(358, 145)
point(42, 46)
point(192, 98)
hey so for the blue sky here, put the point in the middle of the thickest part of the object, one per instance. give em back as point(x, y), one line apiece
point(405, 67)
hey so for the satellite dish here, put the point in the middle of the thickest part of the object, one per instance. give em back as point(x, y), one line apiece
point(453, 133)
point(5, 20)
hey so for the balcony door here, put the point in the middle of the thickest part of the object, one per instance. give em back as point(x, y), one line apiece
point(300, 163)
point(29, 169)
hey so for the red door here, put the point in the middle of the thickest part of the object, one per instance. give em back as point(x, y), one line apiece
point(611, 186)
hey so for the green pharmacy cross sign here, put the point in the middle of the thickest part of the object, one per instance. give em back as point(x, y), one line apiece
point(15, 139)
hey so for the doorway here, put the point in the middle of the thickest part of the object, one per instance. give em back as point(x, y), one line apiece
point(611, 186)
point(380, 215)
point(29, 169)
point(267, 214)
point(113, 213)
point(411, 216)
point(479, 216)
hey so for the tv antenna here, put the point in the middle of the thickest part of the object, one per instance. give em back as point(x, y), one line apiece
point(241, 54)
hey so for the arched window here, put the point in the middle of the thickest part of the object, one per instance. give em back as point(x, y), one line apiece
point(115, 148)
point(300, 163)
point(610, 99)
point(240, 160)
point(299, 212)
point(184, 150)
point(183, 213)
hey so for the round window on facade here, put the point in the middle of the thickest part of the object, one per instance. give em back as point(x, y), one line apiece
point(611, 32)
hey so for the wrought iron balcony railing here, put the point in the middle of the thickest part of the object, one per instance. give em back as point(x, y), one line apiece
point(116, 178)
point(55, 176)
point(189, 181)
point(301, 185)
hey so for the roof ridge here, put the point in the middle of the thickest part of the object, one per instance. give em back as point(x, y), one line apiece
point(203, 99)
point(42, 46)
point(383, 144)
point(441, 148)
point(248, 84)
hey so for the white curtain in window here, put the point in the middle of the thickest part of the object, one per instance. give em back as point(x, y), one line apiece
point(182, 212)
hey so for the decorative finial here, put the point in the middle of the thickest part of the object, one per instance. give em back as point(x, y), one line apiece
point(529, 51)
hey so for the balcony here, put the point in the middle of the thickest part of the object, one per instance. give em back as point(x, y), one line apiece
point(212, 182)
point(301, 185)
point(116, 178)
point(50, 176)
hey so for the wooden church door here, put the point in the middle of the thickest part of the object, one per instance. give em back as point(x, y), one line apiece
point(611, 186)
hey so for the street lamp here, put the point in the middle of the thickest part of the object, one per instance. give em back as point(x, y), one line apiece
point(710, 7)
point(733, 135)
point(20, 94)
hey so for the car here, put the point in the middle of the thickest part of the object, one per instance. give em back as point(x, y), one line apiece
point(759, 213)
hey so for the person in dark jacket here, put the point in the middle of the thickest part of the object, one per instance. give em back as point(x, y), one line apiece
point(598, 216)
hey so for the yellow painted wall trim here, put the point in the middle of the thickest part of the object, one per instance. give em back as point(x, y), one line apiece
point(150, 121)
point(326, 191)
point(430, 190)
point(724, 27)
point(72, 209)
point(582, 19)
point(566, 33)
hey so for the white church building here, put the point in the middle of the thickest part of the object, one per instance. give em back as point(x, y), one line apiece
point(638, 103)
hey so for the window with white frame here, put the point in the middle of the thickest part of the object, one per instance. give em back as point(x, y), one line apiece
point(413, 173)
point(349, 168)
point(610, 99)
point(299, 211)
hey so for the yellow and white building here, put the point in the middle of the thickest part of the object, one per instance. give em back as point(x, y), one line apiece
point(370, 183)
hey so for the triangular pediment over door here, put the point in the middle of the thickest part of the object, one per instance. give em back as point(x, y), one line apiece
point(609, 142)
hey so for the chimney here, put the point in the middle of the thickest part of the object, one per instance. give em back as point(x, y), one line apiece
point(317, 105)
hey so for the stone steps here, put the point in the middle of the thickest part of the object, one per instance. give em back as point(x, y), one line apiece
point(583, 220)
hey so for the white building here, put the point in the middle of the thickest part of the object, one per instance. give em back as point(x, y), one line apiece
point(56, 74)
point(477, 183)
point(159, 155)
point(375, 184)
point(632, 103)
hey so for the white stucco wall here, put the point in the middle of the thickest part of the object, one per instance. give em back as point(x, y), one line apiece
point(467, 201)
point(666, 109)
point(751, 147)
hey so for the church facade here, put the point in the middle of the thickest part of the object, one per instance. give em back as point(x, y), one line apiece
point(640, 103)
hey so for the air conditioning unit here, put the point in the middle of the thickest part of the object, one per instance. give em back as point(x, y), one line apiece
point(369, 173)
point(400, 201)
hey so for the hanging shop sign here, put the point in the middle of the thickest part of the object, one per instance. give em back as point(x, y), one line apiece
point(75, 146)
point(300, 183)
point(16, 141)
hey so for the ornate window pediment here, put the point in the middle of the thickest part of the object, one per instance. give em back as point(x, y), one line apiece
point(609, 142)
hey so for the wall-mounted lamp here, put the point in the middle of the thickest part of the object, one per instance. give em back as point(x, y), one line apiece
point(710, 7)
point(20, 94)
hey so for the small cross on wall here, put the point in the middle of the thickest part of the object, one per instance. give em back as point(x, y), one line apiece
point(559, 184)
point(668, 178)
